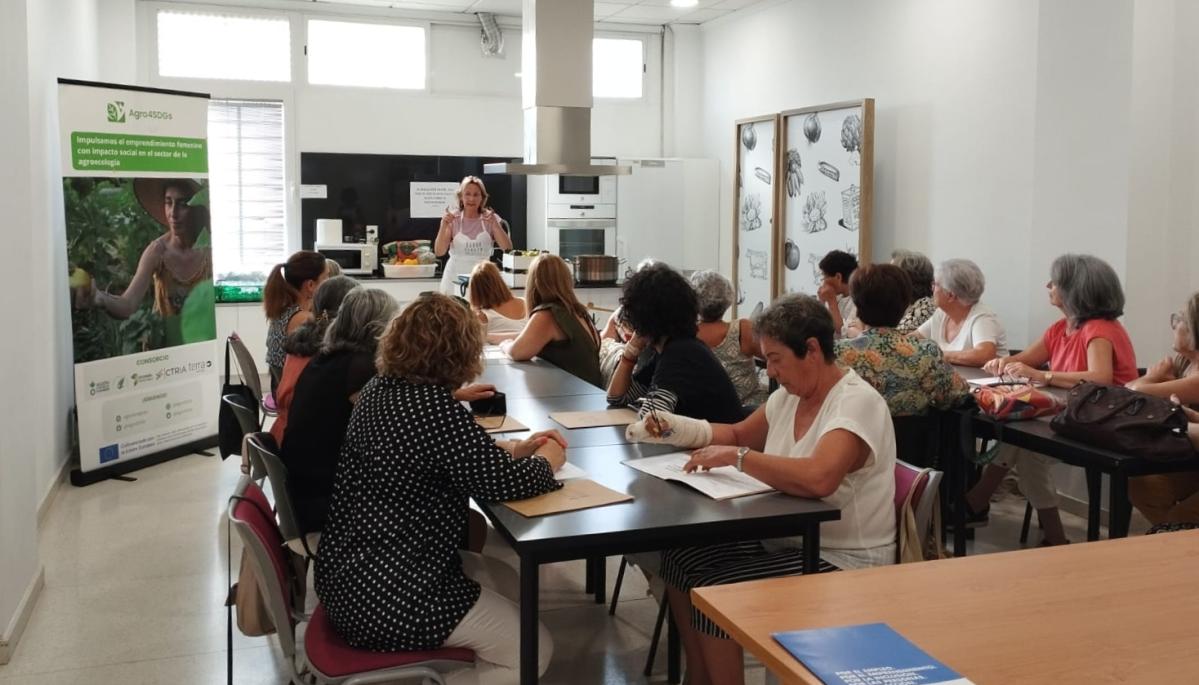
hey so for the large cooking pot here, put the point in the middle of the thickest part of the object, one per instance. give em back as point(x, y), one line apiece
point(596, 268)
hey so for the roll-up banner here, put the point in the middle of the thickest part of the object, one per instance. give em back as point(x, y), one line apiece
point(139, 251)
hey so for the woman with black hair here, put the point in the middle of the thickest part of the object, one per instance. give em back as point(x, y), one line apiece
point(683, 376)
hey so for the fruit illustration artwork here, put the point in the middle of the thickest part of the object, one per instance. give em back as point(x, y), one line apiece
point(811, 128)
point(791, 255)
point(794, 173)
point(80, 278)
point(851, 137)
point(751, 213)
point(749, 137)
point(814, 208)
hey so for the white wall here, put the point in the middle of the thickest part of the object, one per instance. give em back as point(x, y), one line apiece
point(43, 40)
point(63, 42)
point(18, 501)
point(954, 84)
point(1008, 131)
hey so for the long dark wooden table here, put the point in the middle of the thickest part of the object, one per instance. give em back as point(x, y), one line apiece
point(1036, 435)
point(661, 515)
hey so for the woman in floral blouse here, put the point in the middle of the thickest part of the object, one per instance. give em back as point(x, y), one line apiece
point(908, 372)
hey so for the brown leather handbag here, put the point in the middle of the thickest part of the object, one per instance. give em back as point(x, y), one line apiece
point(1126, 421)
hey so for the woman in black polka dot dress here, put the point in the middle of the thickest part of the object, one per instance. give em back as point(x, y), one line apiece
point(390, 572)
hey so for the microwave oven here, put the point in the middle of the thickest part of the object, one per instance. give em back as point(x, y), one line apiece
point(582, 190)
point(357, 259)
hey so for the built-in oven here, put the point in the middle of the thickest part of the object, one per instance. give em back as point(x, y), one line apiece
point(569, 238)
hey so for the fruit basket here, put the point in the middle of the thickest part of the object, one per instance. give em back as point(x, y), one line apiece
point(409, 270)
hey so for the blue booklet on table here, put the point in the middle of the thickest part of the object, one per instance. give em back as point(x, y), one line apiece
point(869, 654)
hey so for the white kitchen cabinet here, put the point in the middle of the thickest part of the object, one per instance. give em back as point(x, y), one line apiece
point(667, 209)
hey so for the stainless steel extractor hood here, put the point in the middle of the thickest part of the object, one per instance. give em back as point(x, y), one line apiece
point(556, 91)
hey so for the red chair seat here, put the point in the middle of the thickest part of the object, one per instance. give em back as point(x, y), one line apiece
point(330, 654)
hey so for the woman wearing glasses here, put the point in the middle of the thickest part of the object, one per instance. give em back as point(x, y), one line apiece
point(1173, 497)
point(1087, 344)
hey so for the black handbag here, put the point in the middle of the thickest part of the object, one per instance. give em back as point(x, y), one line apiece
point(229, 430)
point(1125, 421)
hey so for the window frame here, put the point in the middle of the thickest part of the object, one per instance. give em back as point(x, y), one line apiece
point(613, 35)
point(150, 25)
point(425, 26)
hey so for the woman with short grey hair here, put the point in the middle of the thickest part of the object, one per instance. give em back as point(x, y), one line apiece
point(325, 396)
point(732, 343)
point(967, 331)
point(1087, 344)
point(920, 273)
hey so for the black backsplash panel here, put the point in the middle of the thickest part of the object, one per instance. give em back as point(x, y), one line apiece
point(367, 190)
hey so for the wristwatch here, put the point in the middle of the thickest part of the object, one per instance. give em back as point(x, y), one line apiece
point(1049, 378)
point(741, 452)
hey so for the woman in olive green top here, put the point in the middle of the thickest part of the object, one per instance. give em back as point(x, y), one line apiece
point(559, 329)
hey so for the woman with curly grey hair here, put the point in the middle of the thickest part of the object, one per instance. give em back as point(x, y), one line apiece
point(919, 271)
point(732, 342)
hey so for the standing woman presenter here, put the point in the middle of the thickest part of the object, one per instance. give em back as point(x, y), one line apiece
point(469, 234)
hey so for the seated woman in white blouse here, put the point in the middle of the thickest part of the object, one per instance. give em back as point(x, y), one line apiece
point(502, 314)
point(825, 433)
point(390, 573)
point(968, 333)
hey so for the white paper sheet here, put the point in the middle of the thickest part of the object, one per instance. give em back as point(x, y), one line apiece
point(723, 483)
point(569, 471)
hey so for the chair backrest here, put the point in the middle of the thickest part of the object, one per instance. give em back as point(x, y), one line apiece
point(261, 446)
point(919, 487)
point(247, 420)
point(916, 439)
point(246, 365)
point(246, 415)
point(250, 515)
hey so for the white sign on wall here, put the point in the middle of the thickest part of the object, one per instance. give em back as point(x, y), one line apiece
point(429, 200)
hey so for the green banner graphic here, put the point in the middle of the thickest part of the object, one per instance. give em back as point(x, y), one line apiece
point(133, 153)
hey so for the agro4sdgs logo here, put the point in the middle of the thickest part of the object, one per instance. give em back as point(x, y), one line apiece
point(116, 112)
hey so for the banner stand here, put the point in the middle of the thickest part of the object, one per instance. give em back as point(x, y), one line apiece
point(80, 478)
point(139, 262)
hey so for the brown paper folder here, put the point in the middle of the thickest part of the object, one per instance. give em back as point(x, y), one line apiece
point(580, 493)
point(594, 419)
point(498, 424)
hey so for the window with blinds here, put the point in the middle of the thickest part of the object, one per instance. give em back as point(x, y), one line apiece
point(245, 175)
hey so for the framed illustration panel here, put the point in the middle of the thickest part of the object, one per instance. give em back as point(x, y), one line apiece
point(755, 230)
point(826, 169)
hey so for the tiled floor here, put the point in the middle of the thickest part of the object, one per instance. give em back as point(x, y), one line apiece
point(136, 577)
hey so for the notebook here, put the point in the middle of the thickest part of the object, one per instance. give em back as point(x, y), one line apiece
point(595, 419)
point(868, 653)
point(721, 483)
point(575, 494)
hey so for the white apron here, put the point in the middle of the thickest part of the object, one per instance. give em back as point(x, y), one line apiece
point(465, 253)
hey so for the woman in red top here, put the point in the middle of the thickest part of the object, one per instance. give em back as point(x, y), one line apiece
point(1088, 344)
